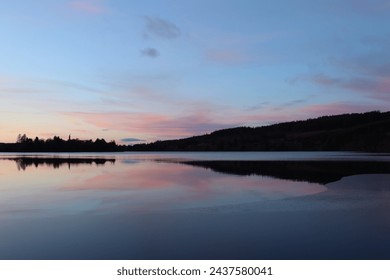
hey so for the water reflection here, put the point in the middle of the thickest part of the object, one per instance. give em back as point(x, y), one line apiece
point(130, 185)
point(322, 172)
point(311, 171)
point(23, 162)
point(145, 207)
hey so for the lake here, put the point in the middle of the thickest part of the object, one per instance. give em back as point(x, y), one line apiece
point(215, 205)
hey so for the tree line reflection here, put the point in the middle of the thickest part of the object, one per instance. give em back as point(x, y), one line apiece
point(322, 172)
point(24, 162)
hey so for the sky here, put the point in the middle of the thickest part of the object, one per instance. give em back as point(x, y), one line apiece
point(140, 71)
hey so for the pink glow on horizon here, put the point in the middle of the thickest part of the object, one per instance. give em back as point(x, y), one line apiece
point(152, 126)
point(163, 126)
point(156, 126)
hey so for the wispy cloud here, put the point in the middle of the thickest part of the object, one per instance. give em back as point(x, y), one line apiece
point(372, 87)
point(288, 105)
point(89, 6)
point(227, 56)
point(366, 74)
point(372, 64)
point(127, 140)
point(157, 27)
point(150, 52)
point(150, 125)
point(32, 93)
point(258, 106)
point(72, 85)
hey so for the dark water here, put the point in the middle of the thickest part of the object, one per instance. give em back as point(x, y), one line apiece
point(195, 206)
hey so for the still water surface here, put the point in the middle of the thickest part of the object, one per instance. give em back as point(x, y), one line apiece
point(195, 206)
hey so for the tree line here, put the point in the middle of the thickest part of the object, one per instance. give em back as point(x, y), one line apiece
point(57, 144)
point(347, 132)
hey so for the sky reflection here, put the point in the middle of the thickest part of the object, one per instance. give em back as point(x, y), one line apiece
point(141, 186)
point(159, 206)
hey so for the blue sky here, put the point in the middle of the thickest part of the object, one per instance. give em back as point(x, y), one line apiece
point(151, 70)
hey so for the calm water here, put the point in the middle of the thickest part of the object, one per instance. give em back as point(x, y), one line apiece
point(195, 206)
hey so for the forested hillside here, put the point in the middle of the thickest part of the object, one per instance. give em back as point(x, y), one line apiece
point(348, 132)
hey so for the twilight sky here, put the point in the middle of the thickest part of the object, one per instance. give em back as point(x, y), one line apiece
point(125, 70)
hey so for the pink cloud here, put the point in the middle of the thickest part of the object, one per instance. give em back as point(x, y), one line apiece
point(88, 6)
point(372, 87)
point(384, 87)
point(150, 125)
point(160, 126)
point(378, 88)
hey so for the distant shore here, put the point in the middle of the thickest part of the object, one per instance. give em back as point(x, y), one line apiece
point(364, 132)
